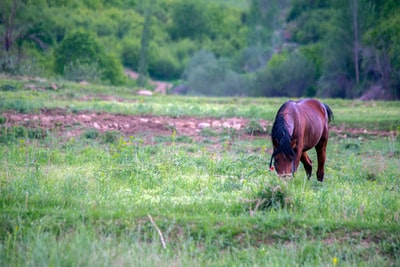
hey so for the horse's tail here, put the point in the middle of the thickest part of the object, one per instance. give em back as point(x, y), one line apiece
point(329, 112)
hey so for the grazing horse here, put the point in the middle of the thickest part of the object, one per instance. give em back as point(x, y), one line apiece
point(298, 127)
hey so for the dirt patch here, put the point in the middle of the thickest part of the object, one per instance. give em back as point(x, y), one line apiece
point(69, 124)
point(159, 86)
point(147, 126)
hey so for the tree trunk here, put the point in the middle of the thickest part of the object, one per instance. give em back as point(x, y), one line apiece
point(144, 44)
point(9, 27)
point(356, 41)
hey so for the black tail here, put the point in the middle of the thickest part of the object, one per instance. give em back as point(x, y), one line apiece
point(329, 112)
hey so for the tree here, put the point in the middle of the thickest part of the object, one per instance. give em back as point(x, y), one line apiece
point(189, 20)
point(144, 45)
point(9, 16)
point(291, 75)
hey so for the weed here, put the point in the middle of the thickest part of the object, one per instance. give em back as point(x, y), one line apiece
point(208, 132)
point(111, 137)
point(91, 134)
point(8, 87)
point(254, 128)
point(271, 198)
point(12, 134)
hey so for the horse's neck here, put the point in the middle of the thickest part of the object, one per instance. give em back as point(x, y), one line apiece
point(291, 118)
point(290, 123)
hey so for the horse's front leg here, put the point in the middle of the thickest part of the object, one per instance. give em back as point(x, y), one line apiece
point(307, 163)
point(321, 155)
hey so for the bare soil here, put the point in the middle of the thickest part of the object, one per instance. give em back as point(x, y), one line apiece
point(69, 124)
point(147, 126)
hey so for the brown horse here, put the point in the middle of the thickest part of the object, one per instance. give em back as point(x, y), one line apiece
point(298, 127)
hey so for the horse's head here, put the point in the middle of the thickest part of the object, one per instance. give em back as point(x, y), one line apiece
point(283, 142)
point(283, 158)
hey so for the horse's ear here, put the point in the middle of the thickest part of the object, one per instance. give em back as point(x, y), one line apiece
point(294, 143)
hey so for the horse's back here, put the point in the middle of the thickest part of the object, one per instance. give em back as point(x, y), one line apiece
point(315, 110)
point(313, 122)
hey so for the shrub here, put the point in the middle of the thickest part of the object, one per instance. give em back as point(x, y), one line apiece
point(205, 75)
point(130, 54)
point(189, 20)
point(82, 50)
point(12, 134)
point(111, 137)
point(91, 134)
point(271, 197)
point(254, 128)
point(78, 46)
point(291, 76)
point(112, 70)
point(164, 65)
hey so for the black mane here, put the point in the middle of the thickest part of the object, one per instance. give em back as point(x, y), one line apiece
point(281, 134)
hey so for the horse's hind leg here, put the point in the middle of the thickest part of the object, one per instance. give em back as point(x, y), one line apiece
point(321, 155)
point(307, 163)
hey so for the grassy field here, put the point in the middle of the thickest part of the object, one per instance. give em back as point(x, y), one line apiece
point(106, 199)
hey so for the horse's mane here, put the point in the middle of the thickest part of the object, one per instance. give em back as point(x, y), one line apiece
point(281, 134)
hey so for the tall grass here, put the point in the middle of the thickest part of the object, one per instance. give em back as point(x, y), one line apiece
point(83, 203)
point(87, 201)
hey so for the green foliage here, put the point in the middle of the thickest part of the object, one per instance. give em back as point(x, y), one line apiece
point(164, 64)
point(311, 26)
point(255, 128)
point(385, 37)
point(271, 198)
point(189, 20)
point(291, 75)
point(78, 46)
point(77, 71)
point(130, 54)
point(21, 105)
point(10, 135)
point(205, 75)
point(352, 44)
point(112, 70)
point(80, 57)
point(91, 134)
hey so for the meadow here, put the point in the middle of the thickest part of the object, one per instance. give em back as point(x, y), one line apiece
point(204, 198)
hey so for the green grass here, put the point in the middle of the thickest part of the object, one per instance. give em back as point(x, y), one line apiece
point(89, 201)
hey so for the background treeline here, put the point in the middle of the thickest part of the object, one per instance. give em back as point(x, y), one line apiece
point(324, 48)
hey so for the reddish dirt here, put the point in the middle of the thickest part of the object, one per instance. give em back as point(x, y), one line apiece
point(70, 124)
point(147, 126)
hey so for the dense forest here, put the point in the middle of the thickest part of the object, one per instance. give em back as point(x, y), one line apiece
point(293, 48)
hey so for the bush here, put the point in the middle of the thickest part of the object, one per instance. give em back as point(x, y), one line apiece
point(78, 46)
point(91, 134)
point(205, 75)
point(164, 65)
point(130, 54)
point(291, 76)
point(12, 134)
point(81, 50)
point(189, 18)
point(112, 70)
